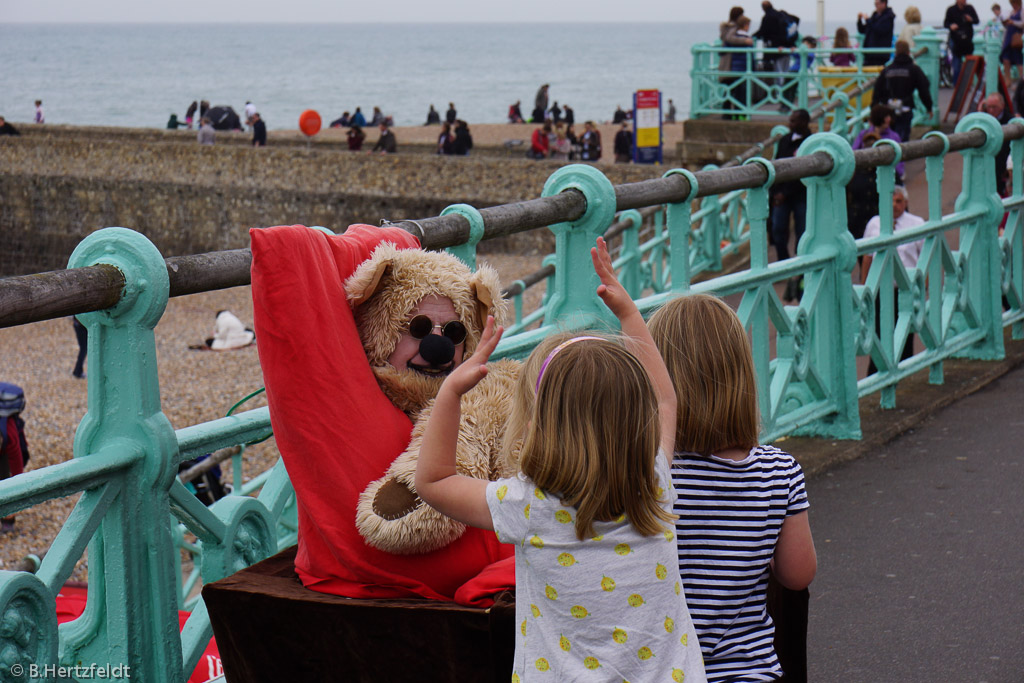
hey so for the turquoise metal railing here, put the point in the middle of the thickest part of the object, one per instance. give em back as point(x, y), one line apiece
point(751, 91)
point(957, 300)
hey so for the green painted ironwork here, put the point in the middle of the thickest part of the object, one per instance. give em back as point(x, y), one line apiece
point(754, 91)
point(133, 513)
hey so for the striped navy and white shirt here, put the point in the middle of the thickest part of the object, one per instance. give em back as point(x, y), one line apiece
point(730, 514)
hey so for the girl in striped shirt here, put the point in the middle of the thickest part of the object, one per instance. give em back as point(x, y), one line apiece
point(742, 506)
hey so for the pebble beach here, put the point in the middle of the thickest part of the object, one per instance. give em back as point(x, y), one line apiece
point(196, 386)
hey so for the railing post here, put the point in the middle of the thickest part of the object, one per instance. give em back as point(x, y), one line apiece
point(1012, 243)
point(574, 294)
point(677, 217)
point(979, 240)
point(131, 616)
point(466, 252)
point(840, 113)
point(803, 76)
point(991, 51)
point(827, 304)
point(758, 317)
point(630, 272)
point(697, 85)
point(929, 63)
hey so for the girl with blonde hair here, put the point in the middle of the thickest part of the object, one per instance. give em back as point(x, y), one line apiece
point(597, 593)
point(742, 506)
point(913, 27)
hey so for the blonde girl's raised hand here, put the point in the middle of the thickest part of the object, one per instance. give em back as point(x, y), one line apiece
point(438, 483)
point(473, 369)
point(638, 341)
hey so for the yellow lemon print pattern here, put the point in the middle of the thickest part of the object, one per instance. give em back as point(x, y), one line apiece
point(591, 663)
point(620, 636)
point(537, 542)
point(635, 600)
point(579, 611)
point(566, 559)
point(669, 536)
point(564, 643)
point(598, 538)
point(684, 638)
point(515, 678)
point(607, 584)
point(661, 572)
point(522, 628)
point(535, 610)
point(623, 549)
point(644, 653)
point(670, 624)
point(542, 664)
point(538, 494)
point(526, 511)
point(678, 676)
point(502, 492)
point(550, 592)
point(678, 588)
point(563, 516)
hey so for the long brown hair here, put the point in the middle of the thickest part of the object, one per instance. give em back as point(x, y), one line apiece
point(707, 353)
point(590, 432)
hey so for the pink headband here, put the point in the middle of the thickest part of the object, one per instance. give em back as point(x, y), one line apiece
point(551, 355)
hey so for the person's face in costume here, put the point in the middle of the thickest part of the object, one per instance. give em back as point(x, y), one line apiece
point(406, 355)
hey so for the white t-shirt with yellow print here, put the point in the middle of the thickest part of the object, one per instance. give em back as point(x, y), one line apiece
point(608, 608)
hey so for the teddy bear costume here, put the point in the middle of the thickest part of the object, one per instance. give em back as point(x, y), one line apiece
point(336, 429)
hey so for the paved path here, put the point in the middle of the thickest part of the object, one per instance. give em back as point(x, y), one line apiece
point(921, 559)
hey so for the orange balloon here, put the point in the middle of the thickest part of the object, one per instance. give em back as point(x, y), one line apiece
point(309, 122)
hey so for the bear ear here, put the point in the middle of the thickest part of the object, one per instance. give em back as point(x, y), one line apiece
point(363, 285)
point(486, 289)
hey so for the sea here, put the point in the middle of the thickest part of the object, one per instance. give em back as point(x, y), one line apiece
point(137, 75)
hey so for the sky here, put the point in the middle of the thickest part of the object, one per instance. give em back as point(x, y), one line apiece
point(457, 11)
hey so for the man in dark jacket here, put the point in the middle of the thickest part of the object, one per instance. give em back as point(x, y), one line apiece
point(774, 34)
point(624, 144)
point(6, 128)
point(789, 199)
point(259, 131)
point(877, 30)
point(960, 20)
point(896, 86)
point(386, 143)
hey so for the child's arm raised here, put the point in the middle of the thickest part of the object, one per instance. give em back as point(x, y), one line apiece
point(638, 341)
point(460, 497)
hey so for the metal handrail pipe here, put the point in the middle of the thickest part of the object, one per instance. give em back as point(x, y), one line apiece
point(43, 296)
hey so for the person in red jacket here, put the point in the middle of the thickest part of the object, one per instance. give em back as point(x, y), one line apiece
point(12, 461)
point(540, 143)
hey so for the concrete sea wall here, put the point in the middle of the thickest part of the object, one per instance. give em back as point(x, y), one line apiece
point(58, 184)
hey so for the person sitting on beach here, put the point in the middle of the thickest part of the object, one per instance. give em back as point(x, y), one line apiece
point(451, 114)
point(463, 140)
point(228, 333)
point(377, 117)
point(206, 133)
point(355, 137)
point(515, 114)
point(433, 118)
point(445, 140)
point(342, 122)
point(358, 119)
point(386, 143)
point(6, 128)
point(540, 145)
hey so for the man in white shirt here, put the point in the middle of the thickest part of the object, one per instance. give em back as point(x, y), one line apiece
point(908, 253)
point(250, 110)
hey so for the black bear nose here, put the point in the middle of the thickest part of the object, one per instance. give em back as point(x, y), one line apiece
point(437, 350)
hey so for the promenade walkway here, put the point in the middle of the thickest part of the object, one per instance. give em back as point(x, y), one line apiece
point(920, 560)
